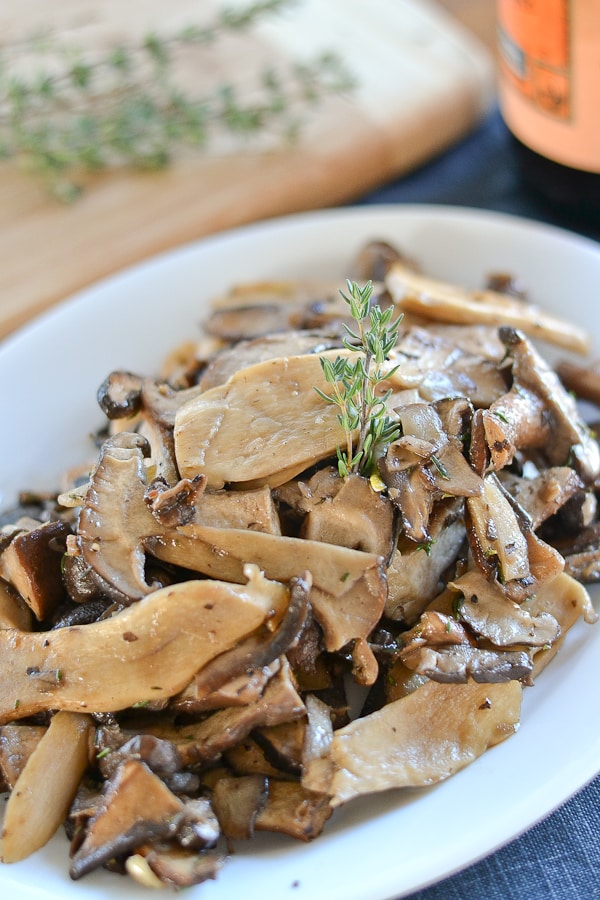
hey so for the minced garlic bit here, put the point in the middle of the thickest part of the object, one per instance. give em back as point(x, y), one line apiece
point(138, 867)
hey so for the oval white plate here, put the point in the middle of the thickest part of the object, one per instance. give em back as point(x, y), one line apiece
point(380, 847)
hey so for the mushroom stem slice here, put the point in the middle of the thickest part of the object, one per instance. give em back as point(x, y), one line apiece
point(446, 302)
point(41, 797)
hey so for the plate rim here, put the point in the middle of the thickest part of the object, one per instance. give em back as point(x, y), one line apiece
point(360, 213)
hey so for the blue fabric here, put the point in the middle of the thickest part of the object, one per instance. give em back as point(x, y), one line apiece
point(559, 858)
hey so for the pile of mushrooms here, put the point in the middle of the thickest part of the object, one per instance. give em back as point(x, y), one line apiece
point(178, 630)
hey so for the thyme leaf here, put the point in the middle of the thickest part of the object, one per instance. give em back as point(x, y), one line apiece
point(356, 382)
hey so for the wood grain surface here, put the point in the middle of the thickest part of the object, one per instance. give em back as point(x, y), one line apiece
point(423, 82)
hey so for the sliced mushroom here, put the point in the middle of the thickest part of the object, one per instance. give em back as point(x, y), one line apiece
point(584, 381)
point(584, 566)
point(374, 259)
point(304, 494)
point(199, 827)
point(459, 664)
point(446, 302)
point(133, 403)
point(423, 738)
point(348, 592)
point(247, 758)
point(112, 664)
point(356, 517)
point(14, 612)
point(161, 756)
point(137, 806)
point(265, 307)
point(518, 420)
point(263, 426)
point(114, 519)
point(567, 601)
point(173, 865)
point(414, 575)
point(32, 564)
point(17, 743)
point(251, 655)
point(120, 395)
point(571, 439)
point(270, 346)
point(293, 810)
point(46, 786)
point(504, 546)
point(237, 801)
point(489, 614)
point(422, 466)
point(543, 495)
point(239, 509)
point(318, 735)
point(280, 702)
point(282, 745)
point(176, 505)
point(238, 691)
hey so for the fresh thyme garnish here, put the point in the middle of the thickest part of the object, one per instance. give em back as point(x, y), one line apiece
point(355, 382)
point(81, 113)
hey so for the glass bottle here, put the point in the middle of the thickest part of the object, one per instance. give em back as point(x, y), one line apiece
point(549, 89)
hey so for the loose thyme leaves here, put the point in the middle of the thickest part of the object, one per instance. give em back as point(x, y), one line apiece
point(356, 383)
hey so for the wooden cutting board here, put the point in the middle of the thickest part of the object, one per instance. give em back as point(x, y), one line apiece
point(422, 83)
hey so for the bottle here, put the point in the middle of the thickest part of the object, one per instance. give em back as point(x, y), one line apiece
point(549, 92)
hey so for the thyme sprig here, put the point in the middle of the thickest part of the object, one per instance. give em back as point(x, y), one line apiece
point(77, 113)
point(356, 382)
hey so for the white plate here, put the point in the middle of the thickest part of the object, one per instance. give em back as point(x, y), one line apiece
point(380, 847)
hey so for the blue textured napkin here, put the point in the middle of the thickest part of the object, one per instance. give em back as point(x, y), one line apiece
point(560, 857)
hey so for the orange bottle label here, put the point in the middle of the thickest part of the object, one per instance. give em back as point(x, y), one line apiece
point(549, 77)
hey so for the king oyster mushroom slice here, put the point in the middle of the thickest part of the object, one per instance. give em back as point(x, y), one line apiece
point(263, 426)
point(357, 517)
point(254, 509)
point(149, 651)
point(348, 586)
point(567, 601)
point(446, 302)
point(422, 738)
point(270, 346)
